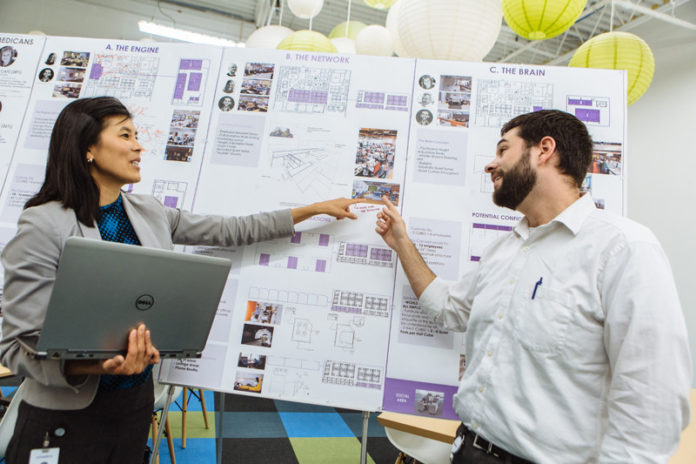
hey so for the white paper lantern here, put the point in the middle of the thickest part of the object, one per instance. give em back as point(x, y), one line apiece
point(268, 36)
point(449, 29)
point(305, 9)
point(344, 45)
point(374, 40)
point(392, 26)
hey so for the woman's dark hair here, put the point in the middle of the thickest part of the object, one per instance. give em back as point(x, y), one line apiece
point(67, 178)
point(573, 142)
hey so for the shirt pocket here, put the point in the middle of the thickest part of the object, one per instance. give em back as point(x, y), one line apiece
point(541, 324)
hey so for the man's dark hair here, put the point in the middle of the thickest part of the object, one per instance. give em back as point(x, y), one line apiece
point(67, 177)
point(573, 142)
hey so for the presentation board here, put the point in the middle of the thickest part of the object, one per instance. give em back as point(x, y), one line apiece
point(325, 316)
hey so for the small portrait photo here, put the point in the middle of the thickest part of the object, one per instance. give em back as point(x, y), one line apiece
point(284, 132)
point(181, 137)
point(257, 335)
point(72, 74)
point(429, 402)
point(252, 361)
point(265, 313)
point(606, 158)
point(374, 191)
point(177, 153)
point(424, 117)
point(8, 55)
point(67, 90)
point(79, 59)
point(426, 81)
point(226, 103)
point(256, 86)
point(253, 103)
point(45, 75)
point(229, 86)
point(375, 154)
point(248, 382)
point(259, 70)
point(453, 118)
point(426, 99)
point(185, 119)
point(51, 60)
point(232, 70)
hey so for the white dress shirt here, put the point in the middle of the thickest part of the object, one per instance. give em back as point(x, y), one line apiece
point(592, 367)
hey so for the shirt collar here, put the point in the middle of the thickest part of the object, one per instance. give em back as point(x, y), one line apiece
point(572, 217)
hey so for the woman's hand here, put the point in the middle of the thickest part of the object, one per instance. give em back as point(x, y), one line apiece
point(338, 208)
point(141, 353)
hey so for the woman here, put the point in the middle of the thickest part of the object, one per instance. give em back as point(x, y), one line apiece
point(99, 411)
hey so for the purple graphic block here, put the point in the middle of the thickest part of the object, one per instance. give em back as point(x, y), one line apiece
point(587, 115)
point(96, 72)
point(180, 86)
point(323, 239)
point(296, 238)
point(537, 108)
point(397, 100)
point(400, 396)
point(579, 102)
point(193, 65)
point(170, 201)
point(264, 259)
point(292, 262)
point(476, 258)
point(195, 79)
point(321, 265)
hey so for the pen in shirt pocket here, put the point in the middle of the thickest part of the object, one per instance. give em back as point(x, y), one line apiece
point(536, 286)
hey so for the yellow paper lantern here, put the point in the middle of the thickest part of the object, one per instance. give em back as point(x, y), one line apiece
point(354, 28)
point(541, 19)
point(619, 50)
point(380, 4)
point(310, 41)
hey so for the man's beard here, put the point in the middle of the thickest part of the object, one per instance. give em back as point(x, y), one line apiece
point(516, 183)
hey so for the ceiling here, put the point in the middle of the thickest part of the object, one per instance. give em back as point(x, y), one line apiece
point(599, 16)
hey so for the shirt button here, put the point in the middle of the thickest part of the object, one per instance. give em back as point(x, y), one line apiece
point(490, 353)
point(480, 389)
point(525, 249)
point(475, 425)
point(500, 316)
point(512, 281)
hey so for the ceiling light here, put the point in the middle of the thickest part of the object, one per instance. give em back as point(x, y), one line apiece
point(186, 36)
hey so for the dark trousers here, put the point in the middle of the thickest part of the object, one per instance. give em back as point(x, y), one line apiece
point(111, 430)
point(469, 454)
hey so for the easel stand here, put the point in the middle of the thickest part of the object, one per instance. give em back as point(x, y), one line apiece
point(163, 420)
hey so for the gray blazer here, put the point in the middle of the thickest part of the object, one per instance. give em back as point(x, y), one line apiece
point(31, 258)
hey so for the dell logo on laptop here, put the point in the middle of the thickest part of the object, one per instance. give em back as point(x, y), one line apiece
point(144, 302)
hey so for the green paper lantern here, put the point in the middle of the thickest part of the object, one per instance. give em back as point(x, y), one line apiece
point(541, 19)
point(619, 50)
point(354, 28)
point(380, 4)
point(309, 41)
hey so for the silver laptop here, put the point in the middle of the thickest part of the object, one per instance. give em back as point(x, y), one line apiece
point(104, 289)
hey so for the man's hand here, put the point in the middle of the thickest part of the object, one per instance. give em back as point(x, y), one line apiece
point(391, 226)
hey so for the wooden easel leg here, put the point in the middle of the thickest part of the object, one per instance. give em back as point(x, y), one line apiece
point(184, 408)
point(170, 442)
point(205, 411)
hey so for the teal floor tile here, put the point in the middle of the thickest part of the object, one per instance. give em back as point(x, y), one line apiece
point(315, 424)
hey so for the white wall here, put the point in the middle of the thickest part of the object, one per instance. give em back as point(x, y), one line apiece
point(661, 125)
point(662, 155)
point(111, 19)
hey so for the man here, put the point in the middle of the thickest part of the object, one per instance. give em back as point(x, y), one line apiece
point(576, 345)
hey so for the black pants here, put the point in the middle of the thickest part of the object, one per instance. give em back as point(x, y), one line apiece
point(111, 430)
point(468, 454)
